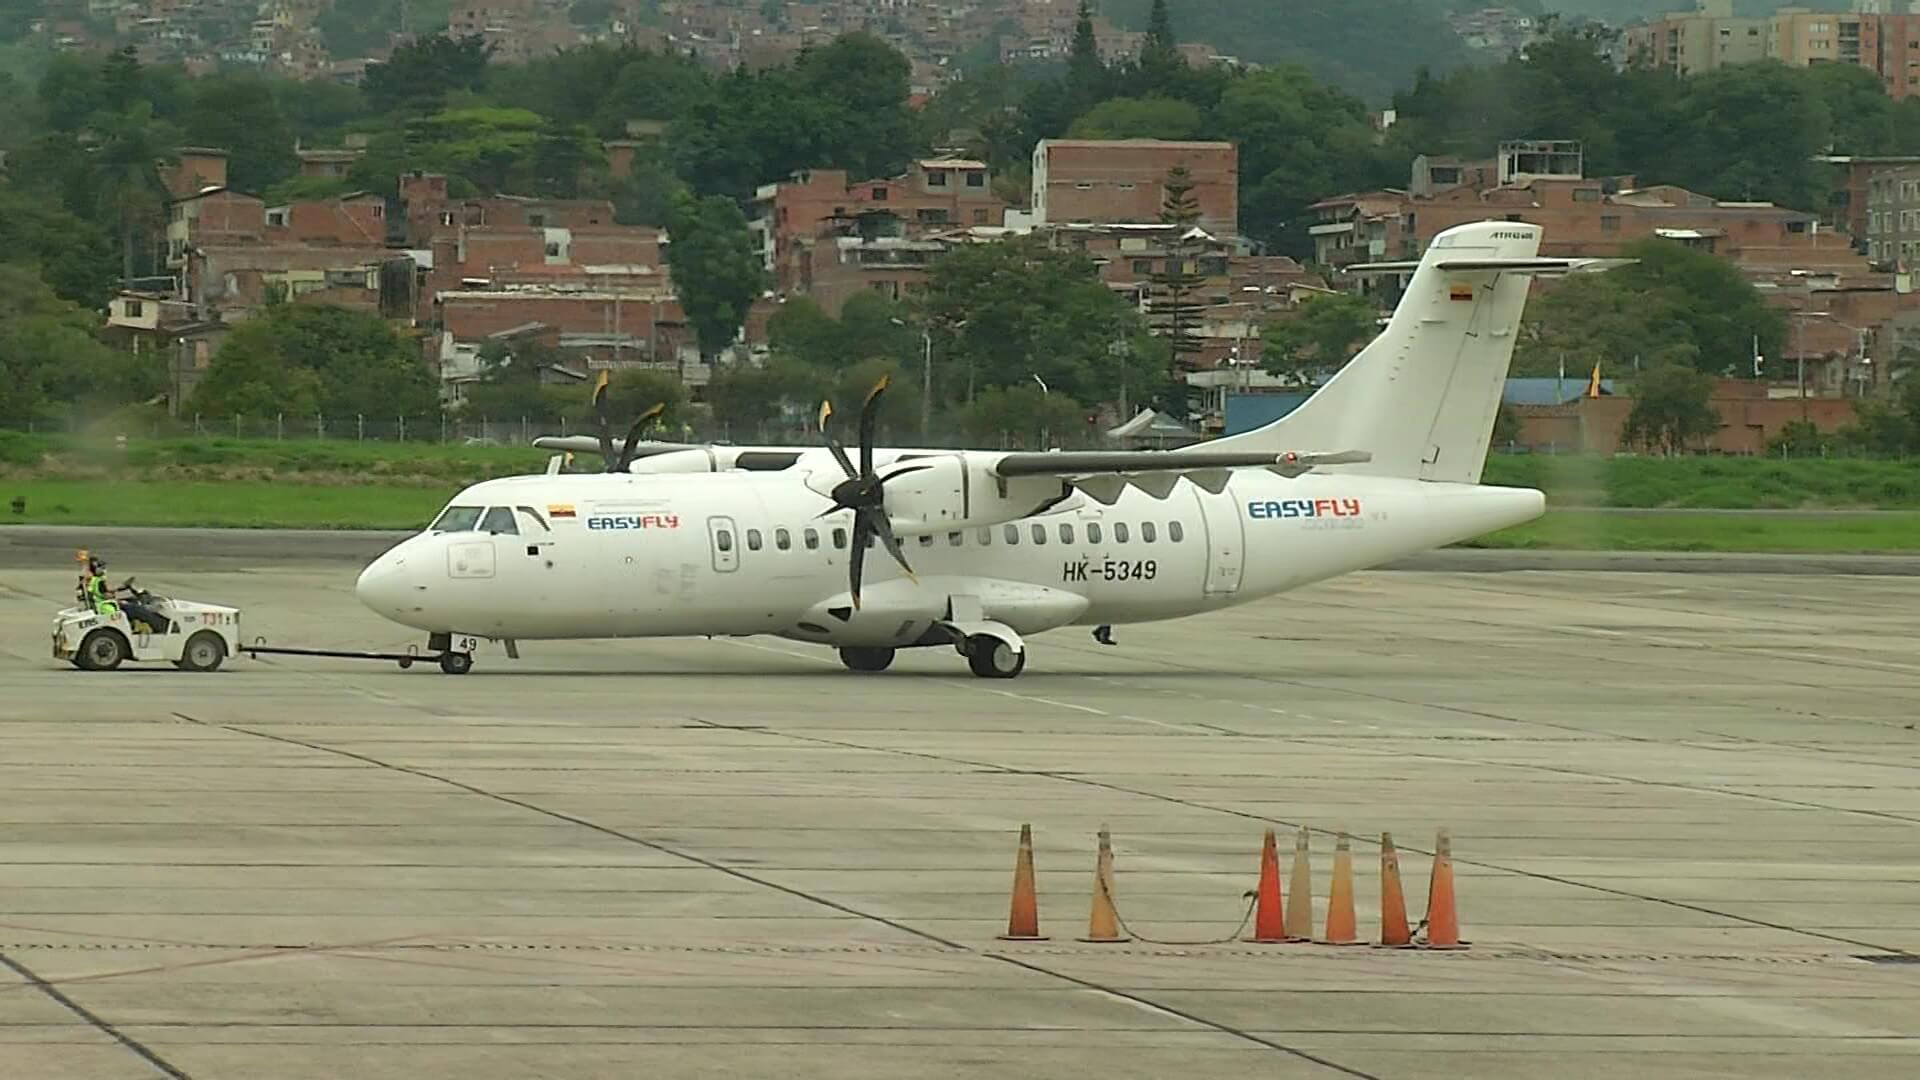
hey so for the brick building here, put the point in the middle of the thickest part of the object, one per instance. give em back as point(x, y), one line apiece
point(792, 217)
point(1124, 180)
point(1749, 415)
point(1853, 190)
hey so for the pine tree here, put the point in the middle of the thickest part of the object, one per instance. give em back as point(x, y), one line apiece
point(1175, 313)
point(1160, 55)
point(1085, 71)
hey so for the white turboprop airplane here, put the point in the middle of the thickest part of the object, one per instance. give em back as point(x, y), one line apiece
point(681, 540)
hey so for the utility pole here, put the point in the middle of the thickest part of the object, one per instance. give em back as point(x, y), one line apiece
point(926, 382)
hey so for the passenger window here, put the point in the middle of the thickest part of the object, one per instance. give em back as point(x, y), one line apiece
point(1039, 534)
point(1146, 532)
point(1066, 533)
point(782, 539)
point(1093, 532)
point(813, 539)
point(458, 519)
point(1175, 533)
point(986, 536)
point(954, 538)
point(1119, 532)
point(499, 520)
point(723, 539)
point(840, 538)
point(1013, 534)
point(753, 539)
point(926, 539)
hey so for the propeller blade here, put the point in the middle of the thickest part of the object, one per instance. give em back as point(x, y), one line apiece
point(885, 532)
point(632, 446)
point(857, 563)
point(833, 444)
point(869, 413)
point(601, 427)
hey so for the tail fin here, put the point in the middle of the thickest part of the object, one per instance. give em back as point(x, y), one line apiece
point(1421, 397)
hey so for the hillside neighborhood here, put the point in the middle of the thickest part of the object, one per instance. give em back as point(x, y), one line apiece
point(635, 244)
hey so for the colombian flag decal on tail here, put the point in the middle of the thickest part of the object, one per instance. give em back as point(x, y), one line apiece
point(558, 512)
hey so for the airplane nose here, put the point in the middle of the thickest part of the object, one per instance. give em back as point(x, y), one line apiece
point(383, 585)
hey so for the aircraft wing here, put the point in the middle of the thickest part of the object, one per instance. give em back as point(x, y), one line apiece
point(590, 444)
point(1082, 463)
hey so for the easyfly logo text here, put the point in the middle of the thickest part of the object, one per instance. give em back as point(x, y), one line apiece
point(635, 521)
point(1304, 508)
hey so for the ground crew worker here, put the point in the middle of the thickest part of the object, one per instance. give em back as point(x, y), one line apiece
point(94, 586)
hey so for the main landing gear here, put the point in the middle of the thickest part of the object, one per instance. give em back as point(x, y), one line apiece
point(989, 655)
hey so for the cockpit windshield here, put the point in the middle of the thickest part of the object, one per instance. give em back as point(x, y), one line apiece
point(457, 519)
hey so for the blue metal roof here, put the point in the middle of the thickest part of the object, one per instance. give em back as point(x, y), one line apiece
point(1532, 391)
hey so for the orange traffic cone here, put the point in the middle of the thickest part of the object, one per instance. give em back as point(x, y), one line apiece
point(1023, 921)
point(1300, 915)
point(1268, 914)
point(1103, 924)
point(1443, 920)
point(1394, 933)
point(1340, 921)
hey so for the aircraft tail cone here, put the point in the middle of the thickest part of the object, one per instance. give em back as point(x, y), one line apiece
point(1023, 921)
point(1299, 919)
point(1394, 933)
point(1103, 923)
point(1269, 927)
point(1341, 928)
point(1443, 919)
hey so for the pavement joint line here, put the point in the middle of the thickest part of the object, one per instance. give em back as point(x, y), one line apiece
point(791, 891)
point(1589, 633)
point(54, 993)
point(730, 871)
point(1458, 861)
point(1192, 1018)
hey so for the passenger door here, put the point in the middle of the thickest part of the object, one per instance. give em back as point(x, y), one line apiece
point(724, 540)
point(1225, 539)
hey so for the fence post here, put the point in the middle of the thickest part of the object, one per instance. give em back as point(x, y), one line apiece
point(279, 425)
point(197, 429)
point(403, 429)
point(319, 426)
point(360, 427)
point(236, 424)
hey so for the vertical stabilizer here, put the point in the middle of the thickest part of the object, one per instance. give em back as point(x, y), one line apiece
point(1421, 398)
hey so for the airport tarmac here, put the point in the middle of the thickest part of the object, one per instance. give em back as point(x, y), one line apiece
point(1685, 810)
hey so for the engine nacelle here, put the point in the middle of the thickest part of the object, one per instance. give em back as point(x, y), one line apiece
point(960, 490)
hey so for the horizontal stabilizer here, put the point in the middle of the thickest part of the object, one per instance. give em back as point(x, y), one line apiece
point(1539, 266)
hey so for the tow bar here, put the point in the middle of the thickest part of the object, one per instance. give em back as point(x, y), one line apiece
point(405, 659)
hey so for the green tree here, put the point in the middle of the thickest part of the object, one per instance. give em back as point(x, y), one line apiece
point(509, 385)
point(1175, 310)
point(715, 268)
point(51, 364)
point(1086, 72)
point(1300, 141)
point(1159, 54)
point(1139, 118)
point(1673, 305)
point(306, 359)
point(1004, 312)
point(241, 115)
point(1319, 338)
point(1671, 409)
point(129, 191)
point(73, 255)
point(1023, 416)
point(420, 74)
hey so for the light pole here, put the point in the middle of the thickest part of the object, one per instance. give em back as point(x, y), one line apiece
point(926, 374)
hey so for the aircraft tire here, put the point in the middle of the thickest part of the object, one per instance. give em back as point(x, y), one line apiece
point(102, 650)
point(866, 658)
point(456, 663)
point(991, 658)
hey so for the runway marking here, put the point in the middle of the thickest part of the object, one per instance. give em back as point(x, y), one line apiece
point(139, 1049)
